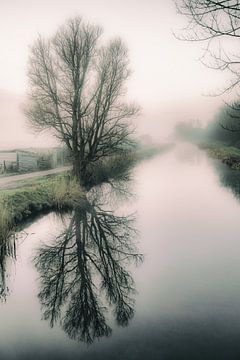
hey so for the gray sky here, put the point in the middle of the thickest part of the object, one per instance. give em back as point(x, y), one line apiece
point(167, 81)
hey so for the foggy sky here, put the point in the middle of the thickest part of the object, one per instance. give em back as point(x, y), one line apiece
point(167, 81)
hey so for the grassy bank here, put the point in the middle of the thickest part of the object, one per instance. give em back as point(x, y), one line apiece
point(55, 192)
point(34, 196)
point(229, 155)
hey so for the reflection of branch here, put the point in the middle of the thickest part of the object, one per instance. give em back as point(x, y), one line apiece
point(7, 250)
point(96, 245)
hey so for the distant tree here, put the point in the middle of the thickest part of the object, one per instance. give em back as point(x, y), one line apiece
point(226, 118)
point(189, 131)
point(77, 90)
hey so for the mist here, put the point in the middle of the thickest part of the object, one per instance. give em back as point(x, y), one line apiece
point(168, 81)
point(15, 131)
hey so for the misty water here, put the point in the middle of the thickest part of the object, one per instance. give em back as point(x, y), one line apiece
point(187, 300)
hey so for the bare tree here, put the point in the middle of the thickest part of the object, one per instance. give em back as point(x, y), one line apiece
point(77, 89)
point(211, 18)
point(218, 24)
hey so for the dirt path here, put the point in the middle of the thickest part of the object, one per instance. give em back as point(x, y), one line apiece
point(8, 180)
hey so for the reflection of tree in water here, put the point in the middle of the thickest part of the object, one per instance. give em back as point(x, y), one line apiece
point(91, 253)
point(7, 251)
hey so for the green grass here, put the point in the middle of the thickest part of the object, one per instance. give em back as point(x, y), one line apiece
point(34, 196)
point(56, 192)
point(227, 154)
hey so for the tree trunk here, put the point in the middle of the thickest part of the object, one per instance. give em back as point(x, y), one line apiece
point(78, 169)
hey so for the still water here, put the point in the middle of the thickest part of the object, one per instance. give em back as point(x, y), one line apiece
point(187, 298)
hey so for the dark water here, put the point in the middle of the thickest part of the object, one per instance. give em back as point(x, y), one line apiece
point(187, 304)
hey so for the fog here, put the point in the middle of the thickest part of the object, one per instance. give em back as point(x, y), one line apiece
point(15, 131)
point(167, 81)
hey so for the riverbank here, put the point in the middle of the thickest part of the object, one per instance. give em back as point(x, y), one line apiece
point(228, 155)
point(53, 192)
point(61, 191)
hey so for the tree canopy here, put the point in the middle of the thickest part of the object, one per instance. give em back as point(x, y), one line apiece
point(77, 89)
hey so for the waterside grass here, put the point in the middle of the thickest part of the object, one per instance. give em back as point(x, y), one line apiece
point(61, 192)
point(31, 197)
point(229, 155)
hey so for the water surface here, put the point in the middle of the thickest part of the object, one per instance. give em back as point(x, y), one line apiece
point(187, 304)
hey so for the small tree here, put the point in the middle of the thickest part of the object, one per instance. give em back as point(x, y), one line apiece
point(77, 90)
